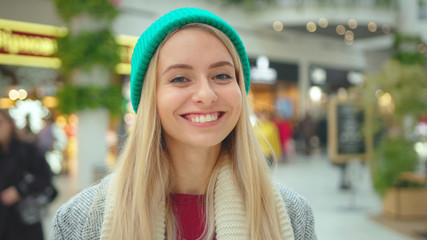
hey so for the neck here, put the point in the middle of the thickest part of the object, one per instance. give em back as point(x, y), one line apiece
point(192, 168)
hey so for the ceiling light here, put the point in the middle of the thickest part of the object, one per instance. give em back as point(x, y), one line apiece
point(340, 29)
point(352, 23)
point(278, 26)
point(315, 93)
point(311, 27)
point(323, 22)
point(372, 27)
point(355, 78)
point(22, 94)
point(349, 35)
point(13, 94)
point(318, 76)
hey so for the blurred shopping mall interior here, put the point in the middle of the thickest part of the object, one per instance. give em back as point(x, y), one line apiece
point(343, 81)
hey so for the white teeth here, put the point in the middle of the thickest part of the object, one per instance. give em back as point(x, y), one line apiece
point(204, 118)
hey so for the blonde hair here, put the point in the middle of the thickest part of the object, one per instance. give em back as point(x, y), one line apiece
point(143, 171)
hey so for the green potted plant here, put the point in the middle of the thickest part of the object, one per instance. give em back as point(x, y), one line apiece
point(395, 99)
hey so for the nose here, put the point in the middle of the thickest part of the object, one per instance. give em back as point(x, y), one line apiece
point(204, 93)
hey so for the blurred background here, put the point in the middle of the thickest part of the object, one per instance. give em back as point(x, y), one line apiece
point(339, 93)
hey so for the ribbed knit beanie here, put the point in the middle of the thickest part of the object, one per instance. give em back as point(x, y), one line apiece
point(151, 38)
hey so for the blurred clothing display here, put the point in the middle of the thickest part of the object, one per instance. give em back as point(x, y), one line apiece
point(268, 137)
point(285, 134)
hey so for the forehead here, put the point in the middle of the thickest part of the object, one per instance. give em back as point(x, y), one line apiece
point(193, 42)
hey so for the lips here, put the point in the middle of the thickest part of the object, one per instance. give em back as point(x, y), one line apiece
point(203, 117)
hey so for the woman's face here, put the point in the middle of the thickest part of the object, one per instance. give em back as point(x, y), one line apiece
point(5, 129)
point(198, 96)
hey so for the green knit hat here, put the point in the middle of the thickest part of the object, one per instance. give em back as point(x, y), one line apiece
point(152, 37)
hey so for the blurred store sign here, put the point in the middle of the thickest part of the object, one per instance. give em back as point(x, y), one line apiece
point(50, 102)
point(345, 139)
point(31, 44)
point(6, 103)
point(262, 73)
point(126, 43)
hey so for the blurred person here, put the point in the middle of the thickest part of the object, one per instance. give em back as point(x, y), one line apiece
point(52, 141)
point(307, 129)
point(286, 131)
point(18, 159)
point(26, 133)
point(46, 138)
point(192, 167)
point(268, 136)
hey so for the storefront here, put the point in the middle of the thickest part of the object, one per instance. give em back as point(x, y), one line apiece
point(279, 96)
point(30, 77)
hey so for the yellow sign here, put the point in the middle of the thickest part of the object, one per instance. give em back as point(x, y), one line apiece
point(31, 44)
point(26, 44)
point(127, 43)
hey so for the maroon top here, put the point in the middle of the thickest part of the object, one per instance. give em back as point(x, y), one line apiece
point(189, 212)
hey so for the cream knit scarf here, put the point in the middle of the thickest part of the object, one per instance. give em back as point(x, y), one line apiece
point(230, 215)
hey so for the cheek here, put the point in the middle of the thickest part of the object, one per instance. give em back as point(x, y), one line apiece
point(235, 98)
point(167, 103)
point(162, 108)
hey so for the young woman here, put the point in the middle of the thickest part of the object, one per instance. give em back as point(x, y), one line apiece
point(18, 158)
point(192, 167)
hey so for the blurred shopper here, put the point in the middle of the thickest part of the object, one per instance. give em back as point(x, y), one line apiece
point(192, 166)
point(46, 137)
point(26, 133)
point(23, 171)
point(268, 137)
point(307, 129)
point(52, 141)
point(286, 131)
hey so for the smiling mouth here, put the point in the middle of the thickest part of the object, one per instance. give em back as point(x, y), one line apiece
point(203, 118)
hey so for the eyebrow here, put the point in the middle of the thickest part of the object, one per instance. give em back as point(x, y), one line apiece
point(220, 64)
point(185, 66)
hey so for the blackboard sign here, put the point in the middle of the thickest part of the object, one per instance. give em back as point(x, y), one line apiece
point(345, 139)
point(349, 135)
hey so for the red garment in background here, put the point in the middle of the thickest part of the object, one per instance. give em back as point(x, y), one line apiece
point(285, 132)
point(189, 211)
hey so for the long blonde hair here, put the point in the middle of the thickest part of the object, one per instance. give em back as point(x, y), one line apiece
point(143, 171)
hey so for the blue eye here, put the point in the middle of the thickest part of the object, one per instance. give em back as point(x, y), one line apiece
point(223, 76)
point(179, 79)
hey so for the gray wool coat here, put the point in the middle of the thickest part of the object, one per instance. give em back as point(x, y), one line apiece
point(81, 217)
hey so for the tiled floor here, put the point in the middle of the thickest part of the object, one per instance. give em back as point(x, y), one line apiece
point(338, 215)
